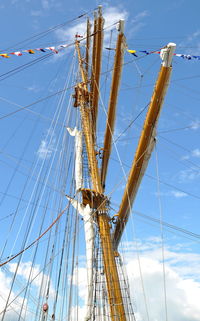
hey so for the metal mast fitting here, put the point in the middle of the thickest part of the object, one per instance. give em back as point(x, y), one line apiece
point(146, 142)
point(116, 76)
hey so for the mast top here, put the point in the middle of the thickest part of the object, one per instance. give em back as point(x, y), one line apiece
point(100, 10)
point(120, 26)
point(166, 54)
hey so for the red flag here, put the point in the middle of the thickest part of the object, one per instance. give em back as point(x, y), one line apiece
point(16, 53)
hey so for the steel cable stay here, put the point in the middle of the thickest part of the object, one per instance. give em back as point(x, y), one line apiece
point(63, 193)
point(44, 57)
point(164, 223)
point(180, 159)
point(56, 233)
point(162, 235)
point(42, 99)
point(38, 238)
point(32, 280)
point(47, 288)
point(51, 29)
point(7, 188)
point(163, 182)
point(50, 270)
point(33, 262)
point(54, 174)
point(51, 131)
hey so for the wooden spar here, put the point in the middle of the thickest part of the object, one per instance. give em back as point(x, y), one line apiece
point(111, 273)
point(146, 143)
point(87, 128)
point(112, 102)
point(87, 46)
point(93, 55)
point(96, 66)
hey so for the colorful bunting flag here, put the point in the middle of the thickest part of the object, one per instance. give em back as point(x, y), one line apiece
point(144, 51)
point(5, 55)
point(133, 52)
point(52, 49)
point(30, 51)
point(56, 50)
point(40, 49)
point(16, 53)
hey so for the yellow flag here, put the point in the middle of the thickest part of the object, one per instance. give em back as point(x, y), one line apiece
point(131, 51)
point(5, 55)
point(31, 51)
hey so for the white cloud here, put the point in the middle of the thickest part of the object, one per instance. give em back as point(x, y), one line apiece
point(195, 124)
point(12, 312)
point(181, 275)
point(188, 175)
point(192, 40)
point(27, 272)
point(45, 4)
point(33, 88)
point(178, 194)
point(111, 16)
point(80, 281)
point(137, 23)
point(47, 146)
point(50, 4)
point(36, 13)
point(196, 152)
point(182, 294)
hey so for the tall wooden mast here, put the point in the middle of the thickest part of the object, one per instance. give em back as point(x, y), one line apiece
point(97, 200)
point(87, 47)
point(117, 69)
point(96, 66)
point(88, 102)
point(146, 142)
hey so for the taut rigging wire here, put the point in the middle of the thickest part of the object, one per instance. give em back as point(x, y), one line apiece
point(162, 236)
point(161, 181)
point(45, 32)
point(36, 240)
point(37, 102)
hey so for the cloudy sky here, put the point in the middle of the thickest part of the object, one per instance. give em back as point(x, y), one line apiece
point(161, 260)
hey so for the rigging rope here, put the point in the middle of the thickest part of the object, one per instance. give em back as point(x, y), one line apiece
point(36, 240)
point(44, 33)
point(162, 235)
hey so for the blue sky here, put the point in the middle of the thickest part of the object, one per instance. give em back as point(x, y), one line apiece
point(27, 136)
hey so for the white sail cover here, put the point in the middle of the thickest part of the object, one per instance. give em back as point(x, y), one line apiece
point(78, 163)
point(86, 212)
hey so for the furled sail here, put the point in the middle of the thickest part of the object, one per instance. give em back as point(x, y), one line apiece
point(78, 162)
point(86, 213)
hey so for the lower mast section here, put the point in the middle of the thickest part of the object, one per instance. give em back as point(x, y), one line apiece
point(115, 299)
